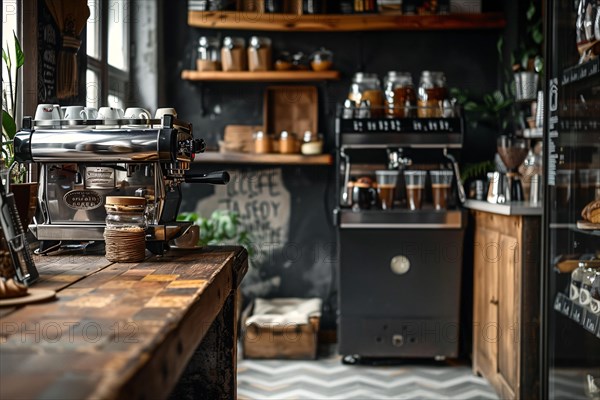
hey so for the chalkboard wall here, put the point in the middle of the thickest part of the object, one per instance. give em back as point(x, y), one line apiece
point(469, 59)
point(49, 41)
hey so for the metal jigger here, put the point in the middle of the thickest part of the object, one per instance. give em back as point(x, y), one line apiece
point(513, 152)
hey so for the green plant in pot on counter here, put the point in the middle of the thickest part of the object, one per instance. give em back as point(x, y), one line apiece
point(15, 173)
point(13, 61)
point(222, 227)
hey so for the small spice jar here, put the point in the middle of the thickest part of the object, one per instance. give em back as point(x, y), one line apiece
point(321, 60)
point(284, 62)
point(312, 144)
point(233, 54)
point(259, 54)
point(300, 61)
point(288, 144)
point(262, 143)
point(208, 54)
point(125, 231)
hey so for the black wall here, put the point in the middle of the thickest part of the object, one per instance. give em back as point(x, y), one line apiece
point(469, 59)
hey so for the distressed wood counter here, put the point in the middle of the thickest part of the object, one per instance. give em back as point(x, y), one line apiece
point(163, 327)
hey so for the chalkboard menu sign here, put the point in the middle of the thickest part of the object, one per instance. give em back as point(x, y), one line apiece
point(49, 38)
point(48, 49)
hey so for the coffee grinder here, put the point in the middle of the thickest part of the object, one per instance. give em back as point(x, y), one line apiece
point(512, 151)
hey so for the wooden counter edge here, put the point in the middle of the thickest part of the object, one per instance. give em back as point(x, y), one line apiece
point(157, 377)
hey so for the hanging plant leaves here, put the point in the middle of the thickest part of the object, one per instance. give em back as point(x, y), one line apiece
point(6, 58)
point(530, 11)
point(538, 36)
point(499, 46)
point(8, 125)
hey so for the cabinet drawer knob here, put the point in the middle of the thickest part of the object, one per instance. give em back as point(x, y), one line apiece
point(494, 301)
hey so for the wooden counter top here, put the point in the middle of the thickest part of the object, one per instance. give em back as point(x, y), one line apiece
point(126, 330)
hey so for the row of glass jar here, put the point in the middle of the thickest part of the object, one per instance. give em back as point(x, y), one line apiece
point(288, 143)
point(585, 285)
point(233, 55)
point(397, 98)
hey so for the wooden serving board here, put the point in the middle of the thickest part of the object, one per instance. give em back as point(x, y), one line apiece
point(33, 296)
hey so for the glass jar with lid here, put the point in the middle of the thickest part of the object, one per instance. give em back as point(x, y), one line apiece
point(575, 284)
point(233, 54)
point(125, 231)
point(432, 94)
point(209, 57)
point(262, 143)
point(284, 61)
point(312, 143)
point(321, 60)
point(259, 54)
point(400, 96)
point(300, 61)
point(367, 87)
point(288, 143)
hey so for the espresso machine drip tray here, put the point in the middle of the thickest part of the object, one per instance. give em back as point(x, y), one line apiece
point(90, 232)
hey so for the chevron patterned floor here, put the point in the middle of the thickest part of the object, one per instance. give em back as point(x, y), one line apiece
point(328, 378)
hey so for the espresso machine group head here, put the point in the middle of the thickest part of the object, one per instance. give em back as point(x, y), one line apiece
point(80, 165)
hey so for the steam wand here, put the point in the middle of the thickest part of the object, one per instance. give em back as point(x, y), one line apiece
point(461, 190)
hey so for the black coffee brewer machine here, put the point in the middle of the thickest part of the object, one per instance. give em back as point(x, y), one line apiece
point(400, 268)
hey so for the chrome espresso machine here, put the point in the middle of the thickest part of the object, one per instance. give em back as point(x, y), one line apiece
point(399, 268)
point(82, 162)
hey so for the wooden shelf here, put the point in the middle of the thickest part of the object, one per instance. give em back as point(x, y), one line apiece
point(278, 159)
point(245, 20)
point(259, 76)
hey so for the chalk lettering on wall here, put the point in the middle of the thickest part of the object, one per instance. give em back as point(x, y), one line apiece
point(49, 42)
point(262, 202)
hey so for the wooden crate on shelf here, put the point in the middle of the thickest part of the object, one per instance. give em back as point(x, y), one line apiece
point(280, 342)
point(239, 138)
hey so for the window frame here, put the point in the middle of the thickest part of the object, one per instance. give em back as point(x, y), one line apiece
point(108, 75)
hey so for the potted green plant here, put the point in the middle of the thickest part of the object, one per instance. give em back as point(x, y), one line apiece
point(498, 110)
point(222, 227)
point(13, 62)
point(13, 174)
point(527, 60)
